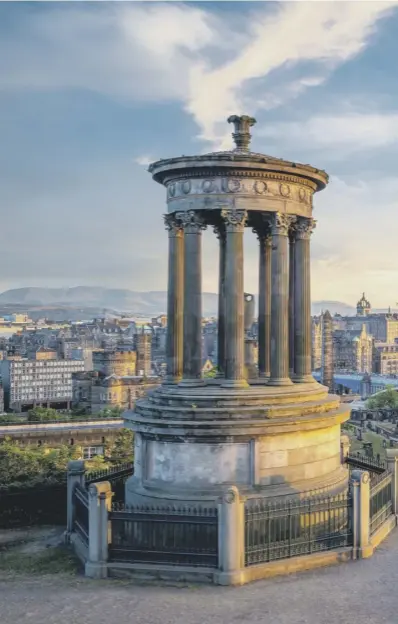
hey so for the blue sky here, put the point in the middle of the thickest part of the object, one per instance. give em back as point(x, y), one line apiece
point(90, 92)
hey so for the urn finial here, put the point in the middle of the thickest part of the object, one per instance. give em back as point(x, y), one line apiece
point(241, 136)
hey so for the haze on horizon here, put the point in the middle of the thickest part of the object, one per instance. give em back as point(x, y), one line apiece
point(92, 92)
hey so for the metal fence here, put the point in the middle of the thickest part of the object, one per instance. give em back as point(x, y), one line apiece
point(80, 516)
point(281, 530)
point(169, 535)
point(363, 462)
point(21, 507)
point(116, 475)
point(380, 500)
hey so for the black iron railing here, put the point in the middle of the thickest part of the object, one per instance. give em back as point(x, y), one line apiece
point(280, 530)
point(116, 475)
point(380, 500)
point(363, 462)
point(168, 535)
point(80, 519)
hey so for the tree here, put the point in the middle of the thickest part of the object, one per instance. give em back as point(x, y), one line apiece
point(122, 449)
point(40, 414)
point(388, 398)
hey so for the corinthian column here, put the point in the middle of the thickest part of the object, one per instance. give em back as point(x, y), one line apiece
point(175, 301)
point(291, 303)
point(264, 297)
point(302, 301)
point(234, 303)
point(220, 233)
point(280, 301)
point(192, 366)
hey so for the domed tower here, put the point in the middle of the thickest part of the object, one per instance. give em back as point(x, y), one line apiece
point(277, 434)
point(363, 306)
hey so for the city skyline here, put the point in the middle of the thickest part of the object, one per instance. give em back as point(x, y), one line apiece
point(94, 92)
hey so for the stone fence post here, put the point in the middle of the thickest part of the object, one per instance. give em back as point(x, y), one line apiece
point(231, 538)
point(99, 503)
point(75, 475)
point(392, 466)
point(360, 484)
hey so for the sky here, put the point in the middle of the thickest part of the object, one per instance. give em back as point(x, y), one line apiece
point(90, 93)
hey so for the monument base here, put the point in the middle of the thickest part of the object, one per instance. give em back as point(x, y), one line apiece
point(190, 443)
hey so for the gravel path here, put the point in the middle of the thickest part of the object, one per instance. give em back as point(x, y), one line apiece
point(363, 592)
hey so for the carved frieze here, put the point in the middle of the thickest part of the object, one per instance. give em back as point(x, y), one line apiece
point(243, 186)
point(284, 189)
point(208, 186)
point(186, 187)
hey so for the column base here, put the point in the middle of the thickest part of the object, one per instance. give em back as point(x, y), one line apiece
point(280, 381)
point(234, 383)
point(171, 381)
point(191, 383)
point(303, 379)
point(264, 375)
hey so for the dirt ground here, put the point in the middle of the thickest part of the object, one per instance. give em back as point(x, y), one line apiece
point(41, 583)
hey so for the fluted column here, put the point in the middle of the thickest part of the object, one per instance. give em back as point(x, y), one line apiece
point(302, 301)
point(264, 299)
point(220, 233)
point(175, 300)
point(280, 301)
point(234, 303)
point(291, 303)
point(192, 362)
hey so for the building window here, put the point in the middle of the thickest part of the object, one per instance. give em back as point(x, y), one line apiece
point(92, 451)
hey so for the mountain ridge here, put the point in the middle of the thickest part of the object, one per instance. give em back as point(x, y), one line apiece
point(123, 299)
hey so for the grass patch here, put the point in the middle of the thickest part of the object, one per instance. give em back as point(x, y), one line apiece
point(49, 561)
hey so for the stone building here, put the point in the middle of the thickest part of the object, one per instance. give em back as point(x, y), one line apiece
point(115, 391)
point(119, 363)
point(385, 358)
point(353, 350)
point(363, 306)
point(144, 353)
point(327, 351)
point(276, 435)
point(93, 391)
point(316, 353)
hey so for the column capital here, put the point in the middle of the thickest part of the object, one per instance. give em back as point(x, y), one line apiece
point(173, 224)
point(303, 228)
point(281, 223)
point(191, 221)
point(235, 220)
point(262, 229)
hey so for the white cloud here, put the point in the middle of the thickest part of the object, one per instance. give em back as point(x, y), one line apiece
point(214, 66)
point(325, 32)
point(344, 133)
point(356, 233)
point(144, 160)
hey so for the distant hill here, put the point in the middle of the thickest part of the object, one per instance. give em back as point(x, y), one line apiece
point(124, 300)
point(118, 299)
point(334, 307)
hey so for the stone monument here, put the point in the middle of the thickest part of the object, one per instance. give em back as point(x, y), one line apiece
point(275, 435)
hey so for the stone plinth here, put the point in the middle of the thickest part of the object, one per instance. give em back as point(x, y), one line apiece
point(191, 443)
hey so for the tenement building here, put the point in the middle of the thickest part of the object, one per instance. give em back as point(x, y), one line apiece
point(273, 435)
